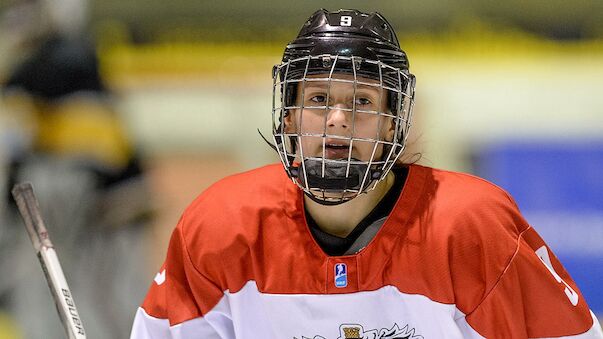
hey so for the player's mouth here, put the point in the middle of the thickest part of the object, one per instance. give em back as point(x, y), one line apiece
point(337, 150)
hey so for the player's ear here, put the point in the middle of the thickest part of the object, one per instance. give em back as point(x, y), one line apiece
point(391, 130)
point(289, 121)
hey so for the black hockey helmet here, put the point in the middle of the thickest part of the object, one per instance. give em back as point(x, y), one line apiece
point(361, 46)
point(348, 33)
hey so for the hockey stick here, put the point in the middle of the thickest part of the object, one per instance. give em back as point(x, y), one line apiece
point(30, 212)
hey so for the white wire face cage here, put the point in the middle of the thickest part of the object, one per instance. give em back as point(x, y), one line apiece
point(333, 166)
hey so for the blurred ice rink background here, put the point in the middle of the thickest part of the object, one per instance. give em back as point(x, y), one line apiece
point(511, 91)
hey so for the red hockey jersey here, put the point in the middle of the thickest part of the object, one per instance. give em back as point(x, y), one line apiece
point(455, 259)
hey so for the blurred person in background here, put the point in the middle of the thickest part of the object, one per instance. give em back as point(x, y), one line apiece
point(345, 238)
point(62, 133)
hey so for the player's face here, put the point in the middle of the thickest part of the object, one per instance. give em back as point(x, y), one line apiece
point(335, 123)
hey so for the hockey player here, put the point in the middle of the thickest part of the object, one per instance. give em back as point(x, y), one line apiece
point(348, 241)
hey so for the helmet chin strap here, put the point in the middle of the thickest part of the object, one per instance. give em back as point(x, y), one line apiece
point(335, 179)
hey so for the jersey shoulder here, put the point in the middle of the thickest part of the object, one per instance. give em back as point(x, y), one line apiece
point(465, 188)
point(472, 227)
point(471, 202)
point(230, 214)
point(254, 188)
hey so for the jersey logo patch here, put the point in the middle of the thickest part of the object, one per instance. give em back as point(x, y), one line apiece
point(341, 275)
point(160, 278)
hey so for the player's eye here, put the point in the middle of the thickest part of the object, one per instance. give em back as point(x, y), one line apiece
point(363, 101)
point(319, 99)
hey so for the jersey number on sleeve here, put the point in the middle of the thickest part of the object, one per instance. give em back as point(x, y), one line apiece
point(543, 254)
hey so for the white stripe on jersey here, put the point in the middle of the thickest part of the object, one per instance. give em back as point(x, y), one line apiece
point(249, 314)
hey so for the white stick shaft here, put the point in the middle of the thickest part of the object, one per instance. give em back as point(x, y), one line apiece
point(30, 211)
point(61, 293)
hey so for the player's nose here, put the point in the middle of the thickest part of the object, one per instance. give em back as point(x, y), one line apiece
point(338, 116)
